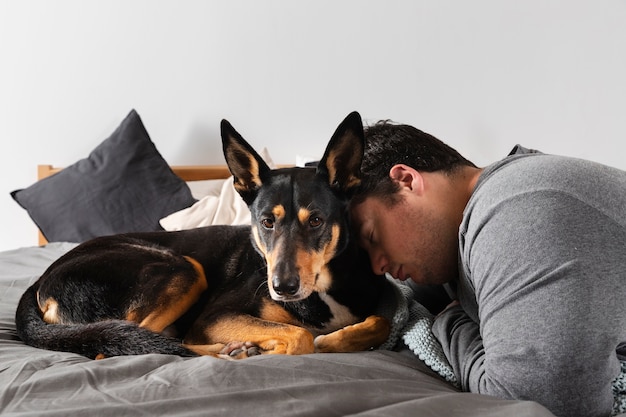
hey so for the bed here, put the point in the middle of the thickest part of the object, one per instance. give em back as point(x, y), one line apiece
point(397, 380)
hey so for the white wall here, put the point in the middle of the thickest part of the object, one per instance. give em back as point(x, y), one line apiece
point(482, 75)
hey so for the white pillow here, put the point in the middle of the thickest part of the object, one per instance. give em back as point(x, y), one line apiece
point(226, 208)
point(203, 188)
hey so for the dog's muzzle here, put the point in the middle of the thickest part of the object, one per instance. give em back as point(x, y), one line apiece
point(286, 288)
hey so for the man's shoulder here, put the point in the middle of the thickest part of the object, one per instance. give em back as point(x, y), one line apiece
point(526, 170)
point(526, 186)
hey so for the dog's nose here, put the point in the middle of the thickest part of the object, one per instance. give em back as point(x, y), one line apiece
point(288, 286)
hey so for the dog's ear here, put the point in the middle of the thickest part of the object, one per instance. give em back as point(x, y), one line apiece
point(341, 163)
point(248, 168)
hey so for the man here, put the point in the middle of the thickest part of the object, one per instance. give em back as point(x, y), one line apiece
point(533, 248)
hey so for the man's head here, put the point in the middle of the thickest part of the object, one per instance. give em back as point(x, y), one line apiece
point(409, 205)
point(388, 144)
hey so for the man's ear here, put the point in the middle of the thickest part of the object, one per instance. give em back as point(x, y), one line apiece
point(341, 163)
point(248, 168)
point(407, 177)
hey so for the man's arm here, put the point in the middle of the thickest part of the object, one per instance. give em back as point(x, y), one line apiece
point(461, 342)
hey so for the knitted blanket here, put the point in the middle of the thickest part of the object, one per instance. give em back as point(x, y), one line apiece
point(411, 322)
point(619, 392)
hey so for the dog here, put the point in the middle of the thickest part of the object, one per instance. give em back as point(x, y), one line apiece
point(293, 282)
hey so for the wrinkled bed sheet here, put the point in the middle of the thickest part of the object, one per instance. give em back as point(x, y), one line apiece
point(36, 382)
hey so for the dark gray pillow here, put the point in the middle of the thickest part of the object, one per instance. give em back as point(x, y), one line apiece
point(124, 185)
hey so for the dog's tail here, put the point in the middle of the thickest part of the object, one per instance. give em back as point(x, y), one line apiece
point(94, 340)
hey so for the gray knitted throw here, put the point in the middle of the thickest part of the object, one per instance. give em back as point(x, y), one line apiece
point(411, 322)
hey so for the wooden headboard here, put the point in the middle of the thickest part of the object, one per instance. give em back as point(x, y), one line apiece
point(185, 172)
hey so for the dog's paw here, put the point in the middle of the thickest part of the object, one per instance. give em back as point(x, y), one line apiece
point(240, 350)
point(365, 335)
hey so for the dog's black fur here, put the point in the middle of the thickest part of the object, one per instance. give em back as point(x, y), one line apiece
point(293, 275)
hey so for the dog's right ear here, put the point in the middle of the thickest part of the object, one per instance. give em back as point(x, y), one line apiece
point(341, 163)
point(248, 168)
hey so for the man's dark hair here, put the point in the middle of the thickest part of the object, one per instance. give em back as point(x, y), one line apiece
point(388, 144)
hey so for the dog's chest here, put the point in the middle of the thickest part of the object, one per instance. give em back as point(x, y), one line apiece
point(340, 316)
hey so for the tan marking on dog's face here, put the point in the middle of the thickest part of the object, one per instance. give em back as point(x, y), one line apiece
point(50, 310)
point(255, 235)
point(270, 257)
point(313, 266)
point(279, 212)
point(303, 215)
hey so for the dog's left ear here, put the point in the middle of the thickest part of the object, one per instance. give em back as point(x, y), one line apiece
point(248, 168)
point(341, 163)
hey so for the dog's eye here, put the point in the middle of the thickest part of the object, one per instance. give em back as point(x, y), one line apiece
point(268, 223)
point(315, 221)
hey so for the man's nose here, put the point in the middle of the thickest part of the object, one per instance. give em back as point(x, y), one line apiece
point(379, 262)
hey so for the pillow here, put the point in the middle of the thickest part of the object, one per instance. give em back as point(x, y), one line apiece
point(226, 208)
point(124, 185)
point(202, 188)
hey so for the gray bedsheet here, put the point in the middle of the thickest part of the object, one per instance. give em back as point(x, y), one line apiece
point(35, 382)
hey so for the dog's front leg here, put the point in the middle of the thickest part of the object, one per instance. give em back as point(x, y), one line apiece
point(370, 333)
point(232, 333)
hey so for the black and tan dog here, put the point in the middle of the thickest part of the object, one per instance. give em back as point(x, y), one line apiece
point(294, 282)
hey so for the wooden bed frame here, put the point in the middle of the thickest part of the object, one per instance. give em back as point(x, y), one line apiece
point(185, 172)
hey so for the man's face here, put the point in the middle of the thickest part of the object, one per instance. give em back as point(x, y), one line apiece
point(410, 239)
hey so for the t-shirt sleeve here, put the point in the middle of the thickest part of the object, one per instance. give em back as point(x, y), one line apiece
point(460, 340)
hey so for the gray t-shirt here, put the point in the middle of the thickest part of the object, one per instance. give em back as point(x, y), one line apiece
point(542, 283)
